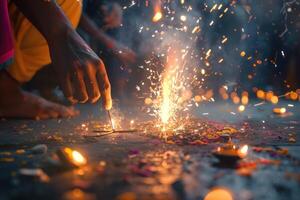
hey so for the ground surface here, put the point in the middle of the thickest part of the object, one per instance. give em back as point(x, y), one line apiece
point(142, 166)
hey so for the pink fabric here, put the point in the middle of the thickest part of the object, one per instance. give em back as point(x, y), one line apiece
point(6, 37)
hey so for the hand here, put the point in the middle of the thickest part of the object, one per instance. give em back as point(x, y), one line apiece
point(80, 71)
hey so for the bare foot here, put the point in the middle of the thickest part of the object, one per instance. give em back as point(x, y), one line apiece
point(15, 103)
point(46, 85)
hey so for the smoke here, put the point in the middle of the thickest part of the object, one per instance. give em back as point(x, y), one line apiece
point(228, 29)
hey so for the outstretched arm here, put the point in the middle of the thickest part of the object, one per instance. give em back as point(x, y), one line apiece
point(123, 53)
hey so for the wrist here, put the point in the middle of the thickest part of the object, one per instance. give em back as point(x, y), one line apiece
point(58, 34)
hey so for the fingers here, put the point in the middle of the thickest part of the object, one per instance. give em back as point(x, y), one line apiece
point(80, 92)
point(104, 85)
point(91, 83)
point(66, 87)
point(55, 111)
point(88, 82)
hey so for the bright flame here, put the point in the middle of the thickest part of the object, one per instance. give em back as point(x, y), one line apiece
point(78, 158)
point(173, 70)
point(183, 18)
point(166, 109)
point(157, 16)
point(243, 151)
point(172, 88)
point(75, 157)
point(282, 110)
point(241, 108)
point(279, 110)
point(157, 11)
point(113, 124)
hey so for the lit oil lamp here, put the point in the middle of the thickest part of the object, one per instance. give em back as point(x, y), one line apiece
point(279, 111)
point(71, 157)
point(230, 153)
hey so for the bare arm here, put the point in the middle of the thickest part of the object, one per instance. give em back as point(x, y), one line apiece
point(123, 53)
point(81, 73)
point(46, 16)
point(91, 28)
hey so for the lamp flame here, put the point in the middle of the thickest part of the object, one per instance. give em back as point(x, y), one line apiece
point(75, 157)
point(243, 151)
point(78, 158)
point(157, 11)
point(157, 16)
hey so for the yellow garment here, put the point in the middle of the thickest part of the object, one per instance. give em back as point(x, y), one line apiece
point(31, 48)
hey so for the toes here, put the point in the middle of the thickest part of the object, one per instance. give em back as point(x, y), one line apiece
point(35, 107)
point(53, 114)
point(42, 116)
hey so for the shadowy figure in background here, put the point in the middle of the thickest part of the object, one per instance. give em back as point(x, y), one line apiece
point(103, 18)
point(96, 20)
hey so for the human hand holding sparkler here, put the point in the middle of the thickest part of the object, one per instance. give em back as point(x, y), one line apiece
point(82, 73)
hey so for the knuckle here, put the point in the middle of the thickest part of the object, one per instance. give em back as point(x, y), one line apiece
point(84, 99)
point(107, 86)
point(99, 63)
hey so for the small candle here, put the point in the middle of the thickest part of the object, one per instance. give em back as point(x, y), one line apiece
point(279, 111)
point(230, 152)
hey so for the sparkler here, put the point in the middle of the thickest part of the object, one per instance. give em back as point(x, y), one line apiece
point(176, 70)
point(172, 70)
point(116, 127)
point(111, 122)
